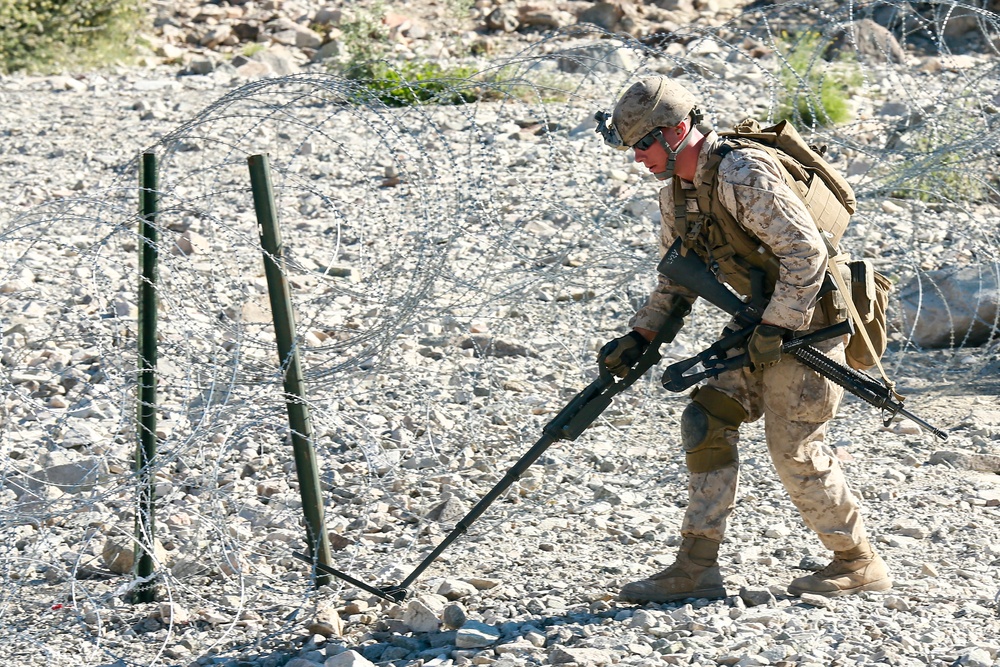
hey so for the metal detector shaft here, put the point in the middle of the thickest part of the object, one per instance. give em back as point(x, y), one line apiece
point(505, 483)
point(326, 569)
point(571, 421)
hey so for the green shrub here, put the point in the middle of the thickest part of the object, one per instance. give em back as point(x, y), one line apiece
point(411, 83)
point(366, 39)
point(408, 83)
point(815, 92)
point(417, 83)
point(250, 48)
point(939, 166)
point(40, 35)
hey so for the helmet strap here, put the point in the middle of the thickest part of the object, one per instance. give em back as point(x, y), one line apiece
point(672, 154)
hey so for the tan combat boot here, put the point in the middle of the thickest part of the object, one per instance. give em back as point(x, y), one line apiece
point(852, 571)
point(694, 574)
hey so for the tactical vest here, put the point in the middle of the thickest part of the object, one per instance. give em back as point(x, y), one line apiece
point(709, 229)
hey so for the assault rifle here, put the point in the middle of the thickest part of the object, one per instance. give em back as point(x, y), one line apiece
point(688, 270)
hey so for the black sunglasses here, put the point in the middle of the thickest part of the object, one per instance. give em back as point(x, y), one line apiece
point(647, 141)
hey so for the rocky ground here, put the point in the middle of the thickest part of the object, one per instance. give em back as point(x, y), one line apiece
point(454, 270)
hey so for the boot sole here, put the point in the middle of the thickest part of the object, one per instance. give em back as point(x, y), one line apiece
point(880, 585)
point(715, 593)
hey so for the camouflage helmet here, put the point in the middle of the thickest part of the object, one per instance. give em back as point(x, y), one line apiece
point(649, 104)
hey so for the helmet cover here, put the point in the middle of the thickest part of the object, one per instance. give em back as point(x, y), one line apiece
point(649, 104)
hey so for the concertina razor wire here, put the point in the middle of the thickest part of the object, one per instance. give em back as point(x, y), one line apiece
point(453, 268)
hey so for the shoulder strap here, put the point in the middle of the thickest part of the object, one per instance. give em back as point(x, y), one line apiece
point(740, 243)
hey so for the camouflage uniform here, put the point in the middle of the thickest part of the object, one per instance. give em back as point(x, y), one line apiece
point(795, 402)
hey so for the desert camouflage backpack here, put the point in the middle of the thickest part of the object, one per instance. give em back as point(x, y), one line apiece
point(830, 201)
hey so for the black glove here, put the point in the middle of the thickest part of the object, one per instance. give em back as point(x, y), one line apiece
point(764, 348)
point(620, 354)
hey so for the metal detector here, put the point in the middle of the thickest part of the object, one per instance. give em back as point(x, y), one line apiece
point(571, 421)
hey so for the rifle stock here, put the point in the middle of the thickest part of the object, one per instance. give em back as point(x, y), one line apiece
point(688, 270)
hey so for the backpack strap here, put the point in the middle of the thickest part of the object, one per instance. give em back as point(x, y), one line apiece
point(729, 242)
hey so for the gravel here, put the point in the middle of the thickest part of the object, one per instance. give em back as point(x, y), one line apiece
point(453, 271)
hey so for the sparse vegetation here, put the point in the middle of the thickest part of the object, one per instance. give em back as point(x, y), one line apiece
point(366, 40)
point(409, 83)
point(815, 92)
point(936, 171)
point(459, 9)
point(45, 35)
point(250, 48)
point(418, 83)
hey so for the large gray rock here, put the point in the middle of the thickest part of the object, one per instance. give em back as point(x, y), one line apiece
point(869, 40)
point(78, 476)
point(682, 6)
point(952, 307)
point(278, 59)
point(964, 460)
point(599, 57)
point(604, 15)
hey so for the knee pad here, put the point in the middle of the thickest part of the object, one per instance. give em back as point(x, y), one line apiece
point(705, 424)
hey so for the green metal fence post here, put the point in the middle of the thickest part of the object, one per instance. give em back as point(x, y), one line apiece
point(145, 453)
point(284, 330)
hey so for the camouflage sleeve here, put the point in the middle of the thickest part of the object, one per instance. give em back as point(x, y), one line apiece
point(658, 304)
point(752, 188)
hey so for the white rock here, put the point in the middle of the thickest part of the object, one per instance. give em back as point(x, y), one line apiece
point(777, 530)
point(644, 619)
point(896, 603)
point(191, 243)
point(816, 600)
point(583, 657)
point(174, 612)
point(475, 634)
point(976, 657)
point(456, 589)
point(421, 617)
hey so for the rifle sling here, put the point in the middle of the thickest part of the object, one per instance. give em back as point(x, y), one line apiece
point(834, 262)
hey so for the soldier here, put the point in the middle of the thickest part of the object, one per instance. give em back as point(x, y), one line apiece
point(658, 118)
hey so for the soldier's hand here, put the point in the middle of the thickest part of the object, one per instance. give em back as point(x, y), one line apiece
point(620, 354)
point(764, 348)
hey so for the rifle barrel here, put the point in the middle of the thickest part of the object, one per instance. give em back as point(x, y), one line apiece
point(861, 385)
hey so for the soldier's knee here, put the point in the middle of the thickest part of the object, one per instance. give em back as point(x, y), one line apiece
point(705, 426)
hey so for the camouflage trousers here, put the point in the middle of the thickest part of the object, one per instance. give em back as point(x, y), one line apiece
point(796, 404)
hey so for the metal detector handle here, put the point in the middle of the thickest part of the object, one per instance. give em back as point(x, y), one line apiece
point(588, 405)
